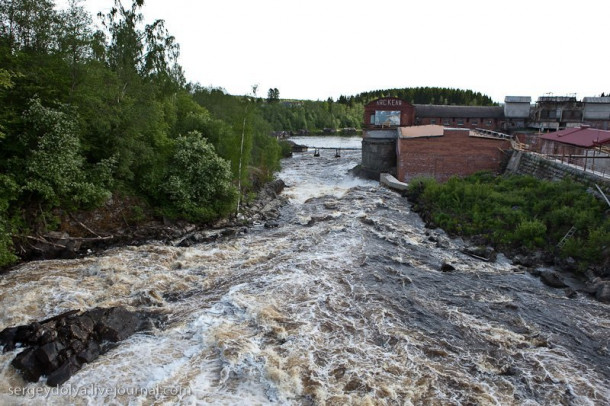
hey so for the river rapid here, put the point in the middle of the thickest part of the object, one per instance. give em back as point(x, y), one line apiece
point(343, 303)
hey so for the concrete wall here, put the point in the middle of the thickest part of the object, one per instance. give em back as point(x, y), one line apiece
point(453, 154)
point(516, 110)
point(378, 156)
point(525, 163)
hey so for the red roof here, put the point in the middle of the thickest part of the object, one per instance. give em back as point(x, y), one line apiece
point(582, 136)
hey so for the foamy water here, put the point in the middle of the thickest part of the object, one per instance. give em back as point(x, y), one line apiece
point(342, 304)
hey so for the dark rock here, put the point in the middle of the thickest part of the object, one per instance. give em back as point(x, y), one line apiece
point(570, 293)
point(59, 346)
point(7, 338)
point(60, 375)
point(27, 363)
point(90, 353)
point(446, 267)
point(603, 292)
point(552, 279)
point(318, 219)
point(48, 355)
point(483, 253)
point(367, 221)
point(523, 261)
point(117, 324)
point(272, 224)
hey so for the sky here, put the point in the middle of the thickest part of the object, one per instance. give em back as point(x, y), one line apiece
point(315, 49)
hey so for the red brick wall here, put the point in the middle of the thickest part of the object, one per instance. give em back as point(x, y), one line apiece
point(407, 111)
point(454, 153)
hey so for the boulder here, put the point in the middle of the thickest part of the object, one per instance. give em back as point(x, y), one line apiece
point(603, 292)
point(446, 267)
point(482, 253)
point(57, 347)
point(552, 279)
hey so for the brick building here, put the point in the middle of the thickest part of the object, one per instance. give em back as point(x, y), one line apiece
point(439, 152)
point(402, 139)
point(388, 112)
point(487, 117)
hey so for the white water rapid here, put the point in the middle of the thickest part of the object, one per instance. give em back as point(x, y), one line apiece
point(342, 304)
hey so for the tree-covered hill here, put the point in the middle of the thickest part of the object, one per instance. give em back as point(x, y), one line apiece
point(88, 113)
point(424, 95)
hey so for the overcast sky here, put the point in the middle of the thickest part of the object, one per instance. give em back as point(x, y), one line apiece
point(315, 49)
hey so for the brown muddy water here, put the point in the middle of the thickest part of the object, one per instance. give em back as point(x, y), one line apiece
point(342, 304)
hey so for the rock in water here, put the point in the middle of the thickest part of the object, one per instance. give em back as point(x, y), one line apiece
point(57, 347)
point(552, 279)
point(447, 267)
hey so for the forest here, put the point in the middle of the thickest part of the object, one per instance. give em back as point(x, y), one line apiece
point(95, 107)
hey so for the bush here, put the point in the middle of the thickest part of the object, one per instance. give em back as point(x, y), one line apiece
point(55, 170)
point(517, 212)
point(197, 185)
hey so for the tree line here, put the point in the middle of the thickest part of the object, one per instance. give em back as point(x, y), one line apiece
point(90, 112)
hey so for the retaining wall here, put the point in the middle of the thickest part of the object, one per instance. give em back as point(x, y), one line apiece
point(526, 163)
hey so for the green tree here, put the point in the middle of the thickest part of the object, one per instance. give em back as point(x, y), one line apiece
point(55, 171)
point(198, 182)
point(273, 95)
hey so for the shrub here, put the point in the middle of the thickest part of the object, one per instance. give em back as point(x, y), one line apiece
point(197, 185)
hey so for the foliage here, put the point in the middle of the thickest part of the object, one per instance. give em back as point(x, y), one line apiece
point(518, 212)
point(87, 111)
point(197, 185)
point(425, 95)
point(273, 95)
point(55, 168)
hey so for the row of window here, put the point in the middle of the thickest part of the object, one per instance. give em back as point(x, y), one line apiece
point(460, 121)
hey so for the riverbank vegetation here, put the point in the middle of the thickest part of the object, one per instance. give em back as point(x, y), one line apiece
point(518, 213)
point(93, 111)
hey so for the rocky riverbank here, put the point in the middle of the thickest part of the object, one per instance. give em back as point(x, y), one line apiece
point(553, 272)
point(121, 221)
point(59, 346)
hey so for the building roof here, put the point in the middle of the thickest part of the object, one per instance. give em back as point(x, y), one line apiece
point(517, 99)
point(581, 136)
point(603, 100)
point(421, 131)
point(432, 111)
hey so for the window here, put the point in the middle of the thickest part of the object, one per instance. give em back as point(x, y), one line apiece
point(446, 121)
point(460, 121)
point(475, 121)
point(372, 118)
point(433, 121)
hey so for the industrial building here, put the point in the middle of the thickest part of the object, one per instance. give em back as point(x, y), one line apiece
point(408, 140)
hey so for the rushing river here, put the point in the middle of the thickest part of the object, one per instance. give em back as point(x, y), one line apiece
point(342, 304)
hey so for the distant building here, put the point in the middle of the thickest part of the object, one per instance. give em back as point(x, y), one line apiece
point(578, 146)
point(556, 112)
point(487, 117)
point(517, 111)
point(596, 112)
point(432, 140)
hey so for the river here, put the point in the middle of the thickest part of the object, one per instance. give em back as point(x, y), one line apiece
point(342, 304)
